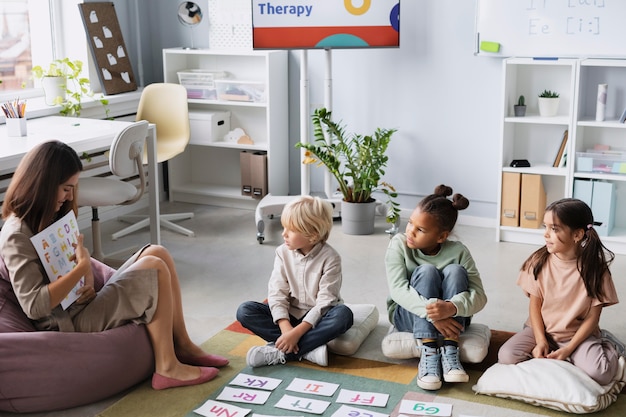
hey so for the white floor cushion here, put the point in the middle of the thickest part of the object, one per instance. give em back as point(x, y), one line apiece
point(551, 383)
point(365, 320)
point(473, 344)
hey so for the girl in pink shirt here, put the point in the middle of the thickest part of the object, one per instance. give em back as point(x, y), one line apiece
point(568, 282)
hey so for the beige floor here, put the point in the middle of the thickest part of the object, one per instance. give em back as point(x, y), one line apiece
point(225, 265)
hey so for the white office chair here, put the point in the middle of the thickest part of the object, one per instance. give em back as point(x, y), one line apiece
point(165, 105)
point(125, 160)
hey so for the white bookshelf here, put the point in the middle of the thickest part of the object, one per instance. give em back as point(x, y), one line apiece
point(538, 138)
point(210, 173)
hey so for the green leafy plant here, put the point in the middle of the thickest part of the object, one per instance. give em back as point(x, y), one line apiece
point(356, 161)
point(521, 101)
point(549, 94)
point(76, 86)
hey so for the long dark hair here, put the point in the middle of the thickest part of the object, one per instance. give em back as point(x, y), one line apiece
point(32, 193)
point(444, 210)
point(593, 258)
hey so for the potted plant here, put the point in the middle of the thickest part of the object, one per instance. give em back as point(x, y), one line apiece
point(520, 107)
point(548, 103)
point(358, 163)
point(63, 85)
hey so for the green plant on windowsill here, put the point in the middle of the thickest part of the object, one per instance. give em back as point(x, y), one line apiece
point(73, 86)
point(356, 161)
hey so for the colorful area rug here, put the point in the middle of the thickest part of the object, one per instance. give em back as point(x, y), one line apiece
point(396, 379)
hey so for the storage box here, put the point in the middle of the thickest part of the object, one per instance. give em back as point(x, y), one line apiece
point(208, 126)
point(532, 201)
point(609, 162)
point(199, 83)
point(236, 90)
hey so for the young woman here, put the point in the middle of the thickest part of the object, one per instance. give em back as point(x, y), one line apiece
point(144, 290)
point(434, 286)
point(568, 282)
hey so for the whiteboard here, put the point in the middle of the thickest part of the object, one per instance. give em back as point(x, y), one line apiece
point(551, 28)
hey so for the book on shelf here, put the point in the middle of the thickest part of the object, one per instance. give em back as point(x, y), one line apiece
point(55, 250)
point(561, 155)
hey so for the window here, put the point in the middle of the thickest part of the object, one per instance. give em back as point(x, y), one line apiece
point(21, 47)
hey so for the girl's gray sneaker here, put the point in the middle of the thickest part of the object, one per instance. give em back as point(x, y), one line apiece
point(429, 375)
point(452, 369)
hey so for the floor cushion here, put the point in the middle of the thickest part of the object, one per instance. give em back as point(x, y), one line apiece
point(551, 383)
point(47, 371)
point(365, 320)
point(473, 344)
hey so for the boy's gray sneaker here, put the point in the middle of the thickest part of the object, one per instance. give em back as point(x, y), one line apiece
point(319, 356)
point(452, 369)
point(429, 369)
point(264, 355)
point(619, 345)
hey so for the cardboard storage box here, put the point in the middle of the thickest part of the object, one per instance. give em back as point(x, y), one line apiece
point(511, 192)
point(253, 173)
point(208, 126)
point(532, 201)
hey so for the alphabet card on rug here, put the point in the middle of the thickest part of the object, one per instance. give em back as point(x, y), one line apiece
point(54, 247)
point(348, 411)
point(422, 408)
point(256, 381)
point(307, 405)
point(309, 386)
point(374, 399)
point(265, 415)
point(242, 395)
point(218, 409)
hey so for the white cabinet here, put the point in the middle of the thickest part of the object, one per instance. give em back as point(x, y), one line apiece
point(538, 138)
point(209, 172)
point(606, 133)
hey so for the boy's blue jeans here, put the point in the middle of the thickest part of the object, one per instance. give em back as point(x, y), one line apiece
point(430, 282)
point(257, 318)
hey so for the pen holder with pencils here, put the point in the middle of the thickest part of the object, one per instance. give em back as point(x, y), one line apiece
point(15, 116)
point(16, 126)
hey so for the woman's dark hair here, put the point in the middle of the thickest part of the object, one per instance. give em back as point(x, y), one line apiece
point(32, 193)
point(593, 258)
point(444, 211)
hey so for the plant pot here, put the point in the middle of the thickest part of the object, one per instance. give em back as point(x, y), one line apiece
point(358, 218)
point(54, 87)
point(520, 111)
point(548, 106)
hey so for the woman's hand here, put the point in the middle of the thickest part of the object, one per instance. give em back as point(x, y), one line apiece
point(81, 254)
point(87, 292)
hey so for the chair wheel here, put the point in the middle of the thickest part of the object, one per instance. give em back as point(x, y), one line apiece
point(260, 239)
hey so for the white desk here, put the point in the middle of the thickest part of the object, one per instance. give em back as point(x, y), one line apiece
point(82, 135)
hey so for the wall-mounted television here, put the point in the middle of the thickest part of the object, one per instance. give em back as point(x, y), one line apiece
point(325, 24)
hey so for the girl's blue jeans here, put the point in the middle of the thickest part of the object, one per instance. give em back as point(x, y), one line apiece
point(431, 282)
point(257, 318)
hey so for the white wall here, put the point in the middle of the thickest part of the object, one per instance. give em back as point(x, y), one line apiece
point(444, 101)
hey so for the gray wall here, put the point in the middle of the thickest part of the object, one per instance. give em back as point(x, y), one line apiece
point(444, 101)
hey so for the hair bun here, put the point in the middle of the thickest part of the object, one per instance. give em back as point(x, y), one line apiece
point(442, 190)
point(459, 202)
